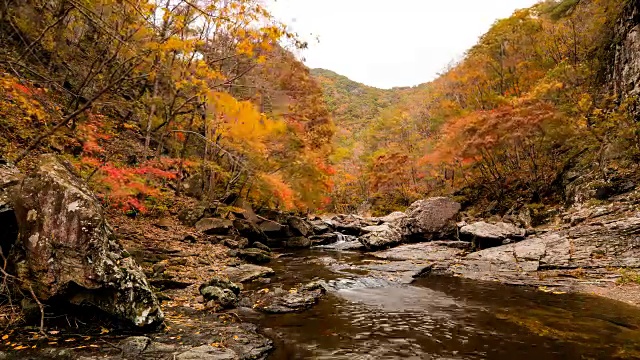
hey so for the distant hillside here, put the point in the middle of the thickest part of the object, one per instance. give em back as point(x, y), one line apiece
point(504, 125)
point(352, 104)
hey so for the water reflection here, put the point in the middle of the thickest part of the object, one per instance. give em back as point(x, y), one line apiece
point(446, 318)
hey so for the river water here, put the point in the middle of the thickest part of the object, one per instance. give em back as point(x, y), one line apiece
point(441, 318)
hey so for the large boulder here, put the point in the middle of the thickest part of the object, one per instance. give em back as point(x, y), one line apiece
point(249, 230)
point(299, 226)
point(380, 236)
point(430, 219)
point(320, 227)
point(67, 251)
point(214, 226)
point(486, 235)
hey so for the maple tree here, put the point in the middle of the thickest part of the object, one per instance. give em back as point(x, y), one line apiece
point(158, 91)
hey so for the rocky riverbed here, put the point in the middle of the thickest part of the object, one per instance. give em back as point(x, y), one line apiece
point(205, 284)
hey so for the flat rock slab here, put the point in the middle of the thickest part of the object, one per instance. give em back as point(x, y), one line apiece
point(280, 301)
point(246, 272)
point(430, 251)
point(403, 272)
point(595, 246)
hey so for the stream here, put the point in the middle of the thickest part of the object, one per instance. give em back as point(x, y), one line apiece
point(364, 317)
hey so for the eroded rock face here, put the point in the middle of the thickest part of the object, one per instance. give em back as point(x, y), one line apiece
point(67, 251)
point(626, 73)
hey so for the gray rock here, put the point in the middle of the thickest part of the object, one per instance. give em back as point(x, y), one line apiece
point(380, 236)
point(430, 219)
point(250, 231)
point(68, 251)
point(134, 346)
point(236, 243)
point(214, 226)
point(274, 229)
point(488, 235)
point(190, 216)
point(429, 251)
point(393, 217)
point(320, 227)
point(299, 226)
point(207, 352)
point(261, 246)
point(224, 297)
point(589, 246)
point(298, 299)
point(324, 239)
point(246, 272)
point(298, 242)
point(221, 282)
point(254, 256)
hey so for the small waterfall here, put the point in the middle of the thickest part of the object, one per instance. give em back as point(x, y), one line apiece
point(342, 238)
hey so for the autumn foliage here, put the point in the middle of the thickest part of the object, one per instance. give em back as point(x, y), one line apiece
point(501, 127)
point(143, 95)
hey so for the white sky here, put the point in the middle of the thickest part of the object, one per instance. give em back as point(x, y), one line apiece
point(386, 43)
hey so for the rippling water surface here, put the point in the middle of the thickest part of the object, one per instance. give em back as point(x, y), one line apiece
point(443, 318)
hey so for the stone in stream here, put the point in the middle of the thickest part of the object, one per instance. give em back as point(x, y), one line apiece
point(273, 229)
point(380, 236)
point(320, 227)
point(246, 272)
point(486, 235)
point(254, 255)
point(68, 253)
point(298, 242)
point(324, 239)
point(281, 301)
point(261, 246)
point(393, 217)
point(429, 251)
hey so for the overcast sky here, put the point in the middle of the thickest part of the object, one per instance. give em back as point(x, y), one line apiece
point(386, 43)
